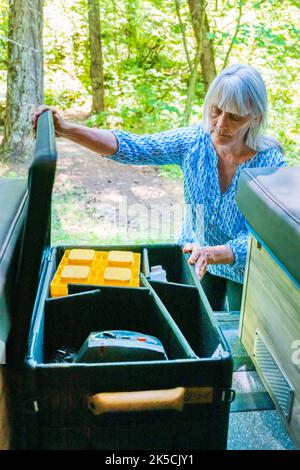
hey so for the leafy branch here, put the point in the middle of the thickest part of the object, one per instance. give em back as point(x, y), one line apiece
point(183, 35)
point(236, 32)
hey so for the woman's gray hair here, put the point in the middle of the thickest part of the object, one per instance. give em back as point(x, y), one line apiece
point(240, 89)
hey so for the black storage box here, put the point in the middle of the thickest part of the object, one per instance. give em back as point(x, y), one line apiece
point(179, 403)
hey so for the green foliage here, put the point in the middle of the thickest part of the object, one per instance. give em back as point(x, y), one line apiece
point(97, 120)
point(171, 172)
point(268, 38)
point(64, 99)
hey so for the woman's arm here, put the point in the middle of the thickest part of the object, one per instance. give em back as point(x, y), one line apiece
point(100, 141)
point(167, 147)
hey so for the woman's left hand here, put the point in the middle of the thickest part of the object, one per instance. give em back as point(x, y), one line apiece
point(199, 257)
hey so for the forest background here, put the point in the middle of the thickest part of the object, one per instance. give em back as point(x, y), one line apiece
point(145, 65)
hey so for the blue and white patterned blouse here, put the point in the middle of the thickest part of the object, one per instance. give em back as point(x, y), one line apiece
point(191, 148)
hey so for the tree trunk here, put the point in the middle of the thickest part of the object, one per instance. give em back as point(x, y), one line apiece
point(96, 67)
point(25, 77)
point(194, 73)
point(207, 58)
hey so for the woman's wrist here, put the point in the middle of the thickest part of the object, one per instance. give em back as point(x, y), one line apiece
point(219, 254)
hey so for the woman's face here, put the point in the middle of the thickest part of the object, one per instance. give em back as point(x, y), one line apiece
point(228, 128)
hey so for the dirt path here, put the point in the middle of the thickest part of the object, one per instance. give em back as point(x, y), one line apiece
point(109, 180)
point(138, 183)
point(102, 192)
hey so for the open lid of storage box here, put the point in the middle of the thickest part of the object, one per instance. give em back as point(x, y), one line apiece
point(269, 199)
point(36, 234)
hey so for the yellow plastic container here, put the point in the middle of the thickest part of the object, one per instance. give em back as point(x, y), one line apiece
point(84, 266)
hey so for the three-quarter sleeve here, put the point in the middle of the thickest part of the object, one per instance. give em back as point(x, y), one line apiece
point(161, 148)
point(239, 246)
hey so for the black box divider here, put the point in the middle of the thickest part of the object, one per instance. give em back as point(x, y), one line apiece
point(185, 305)
point(67, 320)
point(145, 263)
point(70, 319)
point(79, 288)
point(178, 269)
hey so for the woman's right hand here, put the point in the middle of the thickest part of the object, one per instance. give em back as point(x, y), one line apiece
point(59, 123)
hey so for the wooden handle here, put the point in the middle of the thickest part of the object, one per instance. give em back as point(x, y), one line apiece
point(149, 400)
point(172, 399)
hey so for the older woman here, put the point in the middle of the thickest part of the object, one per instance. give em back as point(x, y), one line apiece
point(211, 155)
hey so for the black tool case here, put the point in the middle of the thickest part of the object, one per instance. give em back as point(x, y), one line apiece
point(179, 403)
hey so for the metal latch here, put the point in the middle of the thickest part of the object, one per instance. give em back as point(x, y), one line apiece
point(227, 395)
point(31, 406)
